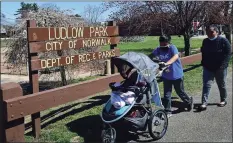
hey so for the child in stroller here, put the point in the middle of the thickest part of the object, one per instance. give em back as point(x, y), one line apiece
point(139, 72)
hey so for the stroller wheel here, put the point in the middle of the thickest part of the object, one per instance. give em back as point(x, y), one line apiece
point(108, 135)
point(158, 124)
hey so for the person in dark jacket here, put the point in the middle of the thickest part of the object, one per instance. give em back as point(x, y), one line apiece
point(216, 53)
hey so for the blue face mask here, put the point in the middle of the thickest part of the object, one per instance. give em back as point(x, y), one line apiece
point(213, 38)
point(164, 46)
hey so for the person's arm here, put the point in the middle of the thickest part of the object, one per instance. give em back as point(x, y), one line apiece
point(175, 56)
point(173, 59)
point(202, 46)
point(228, 50)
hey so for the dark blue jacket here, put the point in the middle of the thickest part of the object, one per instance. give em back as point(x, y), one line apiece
point(216, 53)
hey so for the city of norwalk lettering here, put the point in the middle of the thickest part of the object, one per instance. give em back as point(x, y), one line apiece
point(74, 59)
point(71, 44)
point(64, 38)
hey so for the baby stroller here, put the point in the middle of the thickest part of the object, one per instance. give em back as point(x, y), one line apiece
point(140, 73)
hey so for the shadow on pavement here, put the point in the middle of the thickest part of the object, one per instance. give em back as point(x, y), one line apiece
point(197, 110)
point(181, 107)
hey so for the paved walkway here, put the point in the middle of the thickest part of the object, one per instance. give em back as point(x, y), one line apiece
point(212, 125)
point(13, 78)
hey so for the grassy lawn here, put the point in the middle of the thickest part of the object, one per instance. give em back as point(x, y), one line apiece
point(3, 43)
point(151, 42)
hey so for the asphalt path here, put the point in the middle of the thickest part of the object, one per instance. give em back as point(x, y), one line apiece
point(212, 125)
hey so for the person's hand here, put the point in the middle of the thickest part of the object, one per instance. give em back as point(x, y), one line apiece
point(163, 63)
point(160, 73)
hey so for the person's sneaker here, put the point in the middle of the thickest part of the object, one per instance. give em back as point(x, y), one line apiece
point(202, 107)
point(190, 105)
point(169, 115)
point(222, 104)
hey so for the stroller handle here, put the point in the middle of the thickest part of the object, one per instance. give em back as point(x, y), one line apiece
point(162, 67)
point(161, 70)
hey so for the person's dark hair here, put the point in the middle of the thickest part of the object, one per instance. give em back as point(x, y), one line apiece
point(165, 38)
point(215, 28)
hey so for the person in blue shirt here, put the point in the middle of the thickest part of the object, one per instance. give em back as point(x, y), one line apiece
point(173, 76)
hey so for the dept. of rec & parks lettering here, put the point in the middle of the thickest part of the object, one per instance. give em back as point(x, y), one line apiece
point(82, 58)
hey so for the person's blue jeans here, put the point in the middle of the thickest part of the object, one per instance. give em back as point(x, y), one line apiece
point(208, 79)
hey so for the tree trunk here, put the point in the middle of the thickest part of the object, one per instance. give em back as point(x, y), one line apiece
point(161, 28)
point(229, 26)
point(187, 47)
point(62, 71)
point(229, 32)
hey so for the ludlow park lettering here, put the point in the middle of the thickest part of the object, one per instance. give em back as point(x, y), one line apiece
point(62, 33)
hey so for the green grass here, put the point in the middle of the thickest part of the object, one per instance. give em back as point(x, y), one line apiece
point(3, 43)
point(84, 79)
point(151, 42)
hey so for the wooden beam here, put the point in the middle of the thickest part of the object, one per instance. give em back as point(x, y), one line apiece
point(51, 98)
point(191, 59)
point(10, 131)
point(34, 83)
point(112, 46)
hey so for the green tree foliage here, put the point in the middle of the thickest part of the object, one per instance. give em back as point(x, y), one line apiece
point(26, 8)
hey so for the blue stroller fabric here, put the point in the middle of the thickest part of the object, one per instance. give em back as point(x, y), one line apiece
point(156, 94)
point(117, 112)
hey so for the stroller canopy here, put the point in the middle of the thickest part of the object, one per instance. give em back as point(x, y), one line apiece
point(145, 66)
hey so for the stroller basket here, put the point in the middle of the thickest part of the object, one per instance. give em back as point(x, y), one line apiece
point(137, 116)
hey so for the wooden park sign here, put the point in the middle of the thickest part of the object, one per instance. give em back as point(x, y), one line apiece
point(71, 38)
point(47, 39)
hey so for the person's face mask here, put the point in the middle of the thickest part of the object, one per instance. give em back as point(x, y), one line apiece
point(213, 38)
point(164, 46)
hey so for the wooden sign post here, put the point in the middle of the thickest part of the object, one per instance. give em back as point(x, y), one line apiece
point(33, 82)
point(46, 39)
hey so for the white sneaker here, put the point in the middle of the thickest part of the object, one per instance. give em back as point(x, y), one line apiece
point(169, 115)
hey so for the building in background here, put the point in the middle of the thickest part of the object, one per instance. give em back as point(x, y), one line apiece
point(3, 32)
